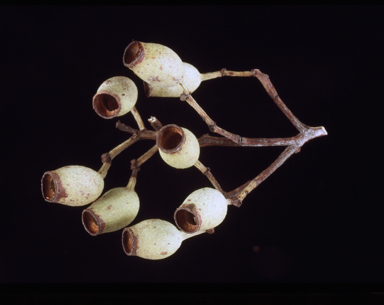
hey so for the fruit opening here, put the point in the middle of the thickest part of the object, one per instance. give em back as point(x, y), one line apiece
point(127, 242)
point(106, 105)
point(90, 222)
point(170, 138)
point(186, 221)
point(132, 53)
point(48, 187)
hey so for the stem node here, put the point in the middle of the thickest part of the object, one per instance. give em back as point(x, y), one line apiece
point(106, 158)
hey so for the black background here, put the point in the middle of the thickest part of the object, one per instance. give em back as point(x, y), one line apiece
point(318, 218)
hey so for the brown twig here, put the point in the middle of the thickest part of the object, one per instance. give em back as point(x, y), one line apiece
point(156, 124)
point(207, 140)
point(207, 172)
point(135, 166)
point(104, 169)
point(133, 179)
point(232, 196)
point(306, 134)
point(137, 136)
point(266, 82)
point(147, 155)
point(294, 144)
point(225, 72)
point(211, 124)
point(289, 151)
point(137, 118)
point(126, 128)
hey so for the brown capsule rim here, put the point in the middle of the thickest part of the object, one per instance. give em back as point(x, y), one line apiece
point(85, 219)
point(139, 54)
point(180, 216)
point(129, 242)
point(46, 187)
point(105, 113)
point(160, 135)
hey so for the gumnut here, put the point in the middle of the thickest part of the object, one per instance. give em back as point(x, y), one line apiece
point(151, 239)
point(115, 97)
point(113, 211)
point(154, 63)
point(202, 210)
point(178, 147)
point(72, 185)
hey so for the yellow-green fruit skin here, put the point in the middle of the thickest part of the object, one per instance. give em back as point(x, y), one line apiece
point(117, 208)
point(191, 81)
point(187, 155)
point(161, 66)
point(81, 185)
point(157, 239)
point(124, 88)
point(210, 204)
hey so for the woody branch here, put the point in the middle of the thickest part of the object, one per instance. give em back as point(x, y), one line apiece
point(294, 144)
point(137, 135)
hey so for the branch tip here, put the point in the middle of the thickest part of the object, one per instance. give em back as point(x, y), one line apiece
point(155, 123)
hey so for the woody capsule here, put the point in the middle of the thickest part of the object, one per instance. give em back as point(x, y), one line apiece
point(162, 70)
point(154, 63)
point(178, 146)
point(153, 239)
point(116, 209)
point(115, 97)
point(72, 185)
point(203, 210)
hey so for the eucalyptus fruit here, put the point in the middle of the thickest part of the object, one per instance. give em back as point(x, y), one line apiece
point(178, 147)
point(116, 209)
point(151, 239)
point(202, 210)
point(72, 185)
point(154, 63)
point(115, 97)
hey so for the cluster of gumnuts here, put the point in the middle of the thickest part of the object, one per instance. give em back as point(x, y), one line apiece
point(164, 75)
point(162, 71)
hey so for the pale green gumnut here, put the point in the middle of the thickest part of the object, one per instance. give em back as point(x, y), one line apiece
point(116, 209)
point(202, 210)
point(151, 239)
point(115, 97)
point(178, 147)
point(154, 63)
point(72, 185)
point(191, 80)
